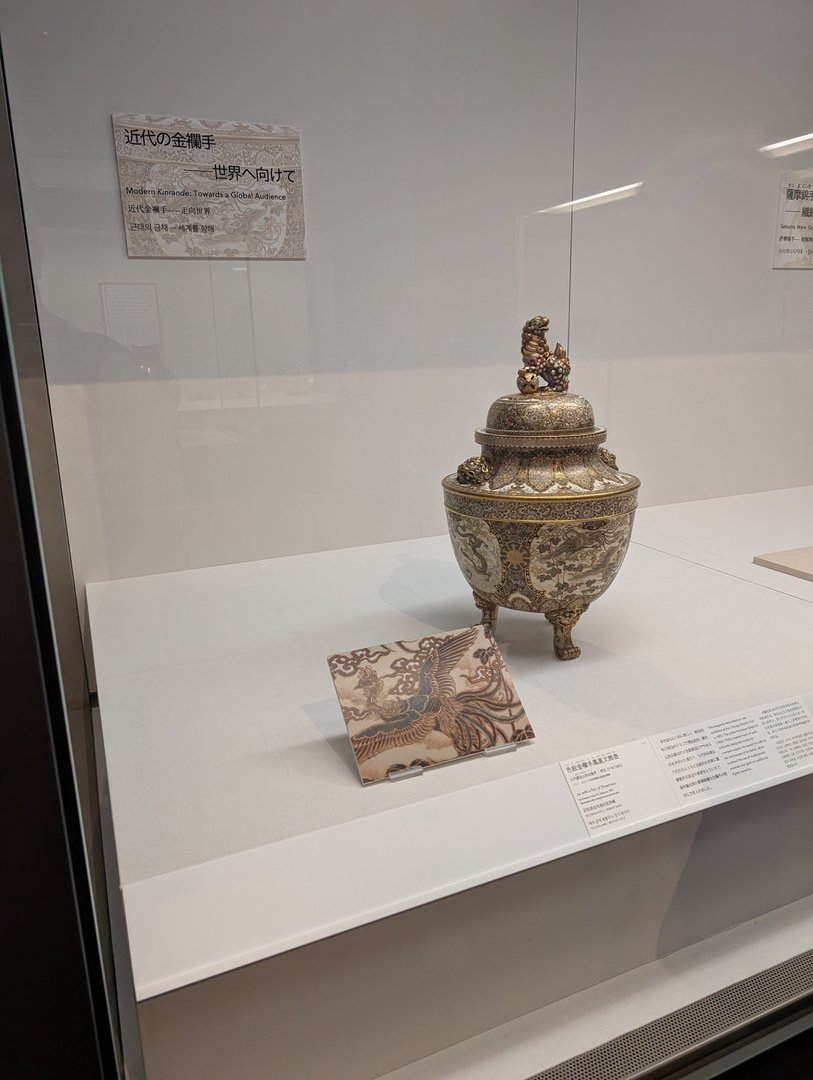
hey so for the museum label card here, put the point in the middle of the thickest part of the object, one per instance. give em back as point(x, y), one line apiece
point(793, 243)
point(414, 704)
point(209, 189)
point(619, 786)
point(706, 760)
point(637, 781)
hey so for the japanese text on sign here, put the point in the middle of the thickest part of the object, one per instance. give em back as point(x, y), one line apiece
point(636, 781)
point(209, 189)
point(793, 243)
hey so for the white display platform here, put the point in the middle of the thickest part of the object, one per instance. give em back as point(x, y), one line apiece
point(725, 534)
point(241, 826)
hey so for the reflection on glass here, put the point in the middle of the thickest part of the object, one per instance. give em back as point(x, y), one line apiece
point(788, 146)
point(612, 195)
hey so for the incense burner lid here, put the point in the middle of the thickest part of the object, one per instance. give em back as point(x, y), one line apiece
point(542, 441)
point(543, 415)
point(545, 419)
point(540, 412)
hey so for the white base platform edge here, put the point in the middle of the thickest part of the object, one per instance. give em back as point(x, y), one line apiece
point(226, 900)
point(573, 1025)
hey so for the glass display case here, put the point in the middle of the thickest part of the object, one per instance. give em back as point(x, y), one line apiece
point(252, 423)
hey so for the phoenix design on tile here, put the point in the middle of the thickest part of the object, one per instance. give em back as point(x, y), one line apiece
point(429, 701)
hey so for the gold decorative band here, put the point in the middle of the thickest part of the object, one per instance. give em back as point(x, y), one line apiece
point(469, 491)
point(540, 521)
point(559, 440)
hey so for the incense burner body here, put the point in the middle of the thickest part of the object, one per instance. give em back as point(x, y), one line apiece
point(542, 520)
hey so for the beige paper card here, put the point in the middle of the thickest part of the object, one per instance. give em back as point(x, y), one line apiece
point(797, 561)
point(793, 241)
point(209, 189)
point(427, 702)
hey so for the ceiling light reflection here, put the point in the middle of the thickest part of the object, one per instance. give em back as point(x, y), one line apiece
point(789, 146)
point(595, 200)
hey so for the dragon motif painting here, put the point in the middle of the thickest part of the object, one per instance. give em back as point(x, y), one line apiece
point(427, 702)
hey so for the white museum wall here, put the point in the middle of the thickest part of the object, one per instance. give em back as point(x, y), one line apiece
point(303, 405)
point(249, 409)
point(707, 351)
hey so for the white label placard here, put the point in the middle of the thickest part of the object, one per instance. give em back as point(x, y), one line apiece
point(793, 243)
point(706, 760)
point(619, 786)
point(636, 781)
point(209, 189)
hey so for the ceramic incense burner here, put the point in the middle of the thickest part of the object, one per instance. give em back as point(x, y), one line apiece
point(542, 520)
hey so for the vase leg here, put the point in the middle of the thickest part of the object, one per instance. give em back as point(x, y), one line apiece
point(563, 622)
point(488, 609)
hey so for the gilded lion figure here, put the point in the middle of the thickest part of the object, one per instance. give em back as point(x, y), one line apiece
point(539, 361)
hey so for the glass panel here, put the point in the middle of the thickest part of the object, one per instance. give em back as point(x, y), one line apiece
point(214, 411)
point(698, 350)
point(251, 454)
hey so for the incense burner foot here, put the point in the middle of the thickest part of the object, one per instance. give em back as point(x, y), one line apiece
point(563, 623)
point(488, 609)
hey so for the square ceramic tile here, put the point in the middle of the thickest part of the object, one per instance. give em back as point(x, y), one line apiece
point(427, 702)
